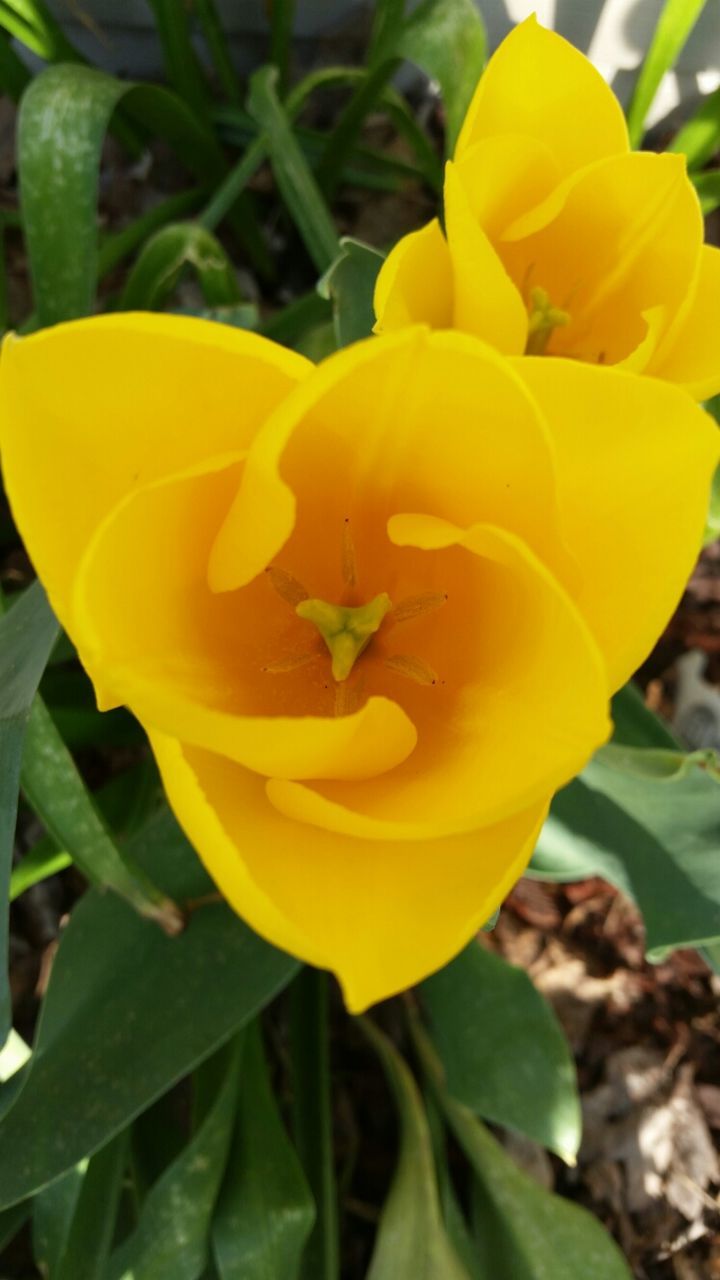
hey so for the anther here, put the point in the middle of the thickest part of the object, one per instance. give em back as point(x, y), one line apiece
point(417, 606)
point(348, 562)
point(287, 585)
point(412, 668)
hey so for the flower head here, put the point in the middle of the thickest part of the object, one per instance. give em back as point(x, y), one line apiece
point(369, 613)
point(558, 239)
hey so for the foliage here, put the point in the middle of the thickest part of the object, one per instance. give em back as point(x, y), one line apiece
point(134, 1017)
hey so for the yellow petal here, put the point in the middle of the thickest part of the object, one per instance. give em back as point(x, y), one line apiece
point(486, 301)
point(414, 420)
point(693, 359)
point(415, 282)
point(529, 709)
point(381, 916)
point(618, 240)
point(92, 409)
point(635, 460)
point(537, 84)
point(504, 176)
point(190, 662)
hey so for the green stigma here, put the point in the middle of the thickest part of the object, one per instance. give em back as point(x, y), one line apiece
point(346, 631)
point(543, 318)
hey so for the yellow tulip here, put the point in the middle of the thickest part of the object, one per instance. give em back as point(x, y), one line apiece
point(369, 613)
point(558, 239)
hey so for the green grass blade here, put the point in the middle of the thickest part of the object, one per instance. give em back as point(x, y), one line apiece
point(31, 22)
point(27, 634)
point(699, 139)
point(181, 64)
point(86, 1247)
point(282, 16)
point(347, 128)
point(674, 26)
point(447, 39)
point(217, 45)
point(387, 27)
point(117, 246)
point(298, 187)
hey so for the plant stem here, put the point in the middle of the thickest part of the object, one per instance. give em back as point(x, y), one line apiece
point(312, 1118)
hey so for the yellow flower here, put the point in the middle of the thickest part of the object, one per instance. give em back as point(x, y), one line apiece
point(558, 239)
point(369, 613)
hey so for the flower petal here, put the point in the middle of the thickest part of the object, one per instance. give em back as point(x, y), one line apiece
point(530, 710)
point(693, 359)
point(190, 662)
point(486, 301)
point(416, 420)
point(415, 282)
point(504, 176)
point(381, 916)
point(635, 460)
point(536, 83)
point(110, 403)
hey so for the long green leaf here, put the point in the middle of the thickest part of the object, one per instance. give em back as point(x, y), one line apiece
point(63, 119)
point(654, 837)
point(411, 1239)
point(121, 992)
point(208, 18)
point(676, 21)
point(447, 39)
point(57, 794)
point(14, 75)
point(172, 1238)
point(181, 63)
point(89, 1238)
point(27, 634)
point(503, 1051)
point(296, 183)
point(31, 22)
point(525, 1233)
point(159, 266)
point(265, 1211)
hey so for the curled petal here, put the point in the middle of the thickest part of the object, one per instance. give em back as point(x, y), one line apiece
point(380, 915)
point(415, 282)
point(692, 359)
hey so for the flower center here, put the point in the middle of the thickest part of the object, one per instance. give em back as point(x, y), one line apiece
point(543, 318)
point(346, 630)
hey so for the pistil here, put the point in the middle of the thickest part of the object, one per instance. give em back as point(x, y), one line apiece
point(543, 319)
point(347, 631)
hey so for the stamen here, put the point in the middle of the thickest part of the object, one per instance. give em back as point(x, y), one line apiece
point(348, 562)
point(291, 663)
point(542, 320)
point(404, 664)
point(287, 585)
point(417, 606)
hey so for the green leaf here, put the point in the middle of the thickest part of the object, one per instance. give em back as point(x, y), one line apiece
point(27, 634)
point(525, 1233)
point(31, 22)
point(447, 39)
point(63, 119)
point(296, 183)
point(655, 838)
point(712, 527)
point(11, 1220)
point(57, 794)
point(698, 140)
point(453, 1216)
point(53, 1210)
point(411, 1239)
point(265, 1211)
point(350, 285)
point(14, 75)
point(88, 1241)
point(282, 15)
point(171, 1240)
point(121, 992)
point(635, 724)
point(159, 266)
point(208, 18)
point(675, 23)
point(503, 1051)
point(181, 62)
